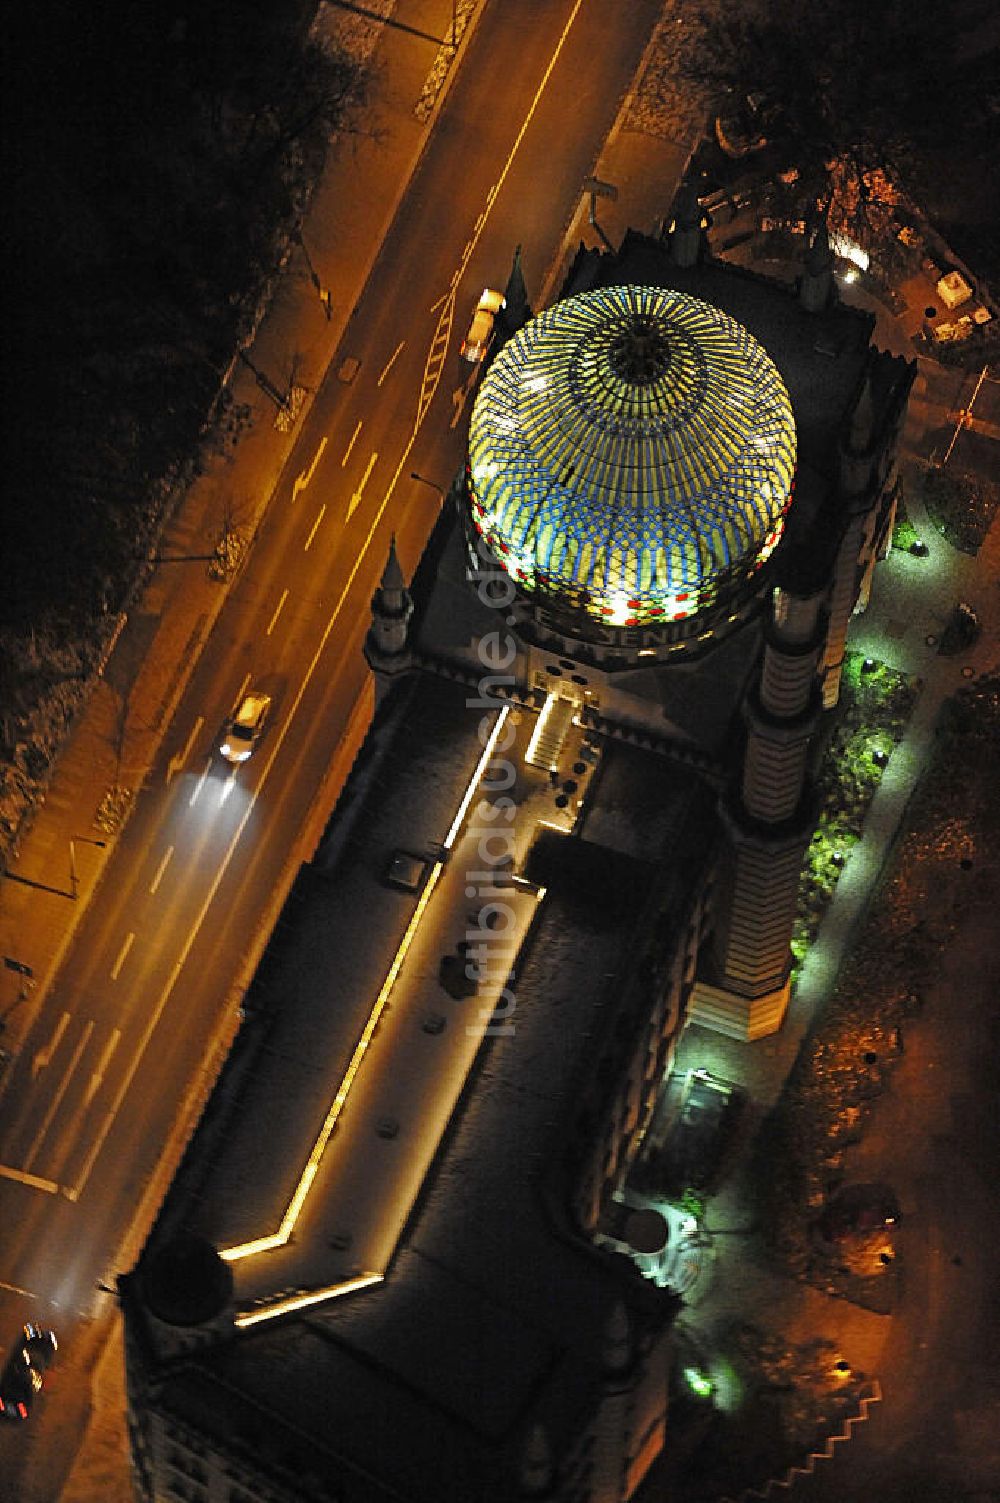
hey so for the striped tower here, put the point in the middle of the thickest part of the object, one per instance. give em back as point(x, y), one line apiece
point(744, 982)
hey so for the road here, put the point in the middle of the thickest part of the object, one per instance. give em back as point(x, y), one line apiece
point(150, 987)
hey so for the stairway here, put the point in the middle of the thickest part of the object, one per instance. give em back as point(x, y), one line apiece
point(554, 720)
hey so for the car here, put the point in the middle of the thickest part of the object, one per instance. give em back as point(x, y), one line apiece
point(23, 1372)
point(476, 344)
point(41, 1346)
point(244, 726)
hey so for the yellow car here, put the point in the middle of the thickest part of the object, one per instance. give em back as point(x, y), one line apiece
point(483, 327)
point(244, 726)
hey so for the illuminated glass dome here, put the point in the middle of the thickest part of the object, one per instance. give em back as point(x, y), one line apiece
point(631, 456)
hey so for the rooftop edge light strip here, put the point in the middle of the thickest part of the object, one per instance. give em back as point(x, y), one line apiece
point(280, 1237)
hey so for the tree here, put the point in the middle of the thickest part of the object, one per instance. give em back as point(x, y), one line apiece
point(856, 83)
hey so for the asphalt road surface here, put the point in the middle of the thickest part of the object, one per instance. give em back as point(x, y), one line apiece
point(150, 988)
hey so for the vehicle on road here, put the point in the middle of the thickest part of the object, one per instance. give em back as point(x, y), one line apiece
point(476, 344)
point(23, 1373)
point(244, 726)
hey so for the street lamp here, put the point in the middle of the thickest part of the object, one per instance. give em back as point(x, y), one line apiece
point(325, 295)
point(74, 880)
point(432, 483)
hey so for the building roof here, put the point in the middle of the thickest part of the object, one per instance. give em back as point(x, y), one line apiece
point(633, 447)
point(490, 1313)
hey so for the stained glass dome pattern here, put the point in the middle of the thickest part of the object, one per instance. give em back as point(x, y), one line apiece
point(631, 451)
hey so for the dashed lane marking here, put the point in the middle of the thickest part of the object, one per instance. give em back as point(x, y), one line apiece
point(391, 362)
point(277, 612)
point(315, 527)
point(160, 870)
point(122, 956)
point(350, 446)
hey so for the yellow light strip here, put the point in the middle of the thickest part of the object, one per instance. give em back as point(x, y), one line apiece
point(281, 1236)
point(473, 782)
point(284, 1231)
point(540, 724)
point(301, 1301)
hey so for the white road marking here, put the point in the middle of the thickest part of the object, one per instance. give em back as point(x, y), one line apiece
point(191, 739)
point(356, 498)
point(16, 1289)
point(315, 527)
point(161, 869)
point(392, 360)
point(458, 400)
point(102, 1065)
point(122, 954)
point(176, 763)
point(277, 612)
point(54, 1104)
point(302, 480)
point(350, 446)
point(42, 1056)
point(199, 786)
point(227, 787)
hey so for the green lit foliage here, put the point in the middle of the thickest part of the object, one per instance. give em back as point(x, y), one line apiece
point(875, 704)
point(951, 820)
point(692, 1204)
point(904, 534)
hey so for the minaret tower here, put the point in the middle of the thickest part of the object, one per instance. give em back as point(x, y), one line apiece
point(816, 285)
point(686, 237)
point(858, 457)
point(743, 983)
point(386, 645)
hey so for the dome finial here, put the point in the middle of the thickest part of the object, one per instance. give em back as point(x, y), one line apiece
point(641, 352)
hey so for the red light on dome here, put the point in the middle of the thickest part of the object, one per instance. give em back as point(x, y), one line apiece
point(634, 605)
point(656, 610)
